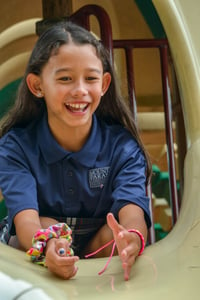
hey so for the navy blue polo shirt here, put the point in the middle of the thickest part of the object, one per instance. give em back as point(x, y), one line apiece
point(105, 175)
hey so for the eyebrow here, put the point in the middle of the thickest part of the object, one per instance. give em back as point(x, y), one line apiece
point(70, 69)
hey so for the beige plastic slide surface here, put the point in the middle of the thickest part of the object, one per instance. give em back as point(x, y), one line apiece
point(169, 269)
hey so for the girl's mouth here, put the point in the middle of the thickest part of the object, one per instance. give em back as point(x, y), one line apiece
point(77, 107)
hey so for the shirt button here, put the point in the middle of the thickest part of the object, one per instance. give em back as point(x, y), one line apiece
point(71, 191)
point(70, 173)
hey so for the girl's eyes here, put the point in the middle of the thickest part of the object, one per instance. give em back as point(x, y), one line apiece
point(89, 78)
point(67, 78)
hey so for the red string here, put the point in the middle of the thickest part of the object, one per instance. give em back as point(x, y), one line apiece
point(98, 250)
point(113, 249)
point(110, 257)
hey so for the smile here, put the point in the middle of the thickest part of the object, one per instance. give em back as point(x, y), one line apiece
point(77, 107)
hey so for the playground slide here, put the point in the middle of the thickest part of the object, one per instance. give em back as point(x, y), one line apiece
point(170, 268)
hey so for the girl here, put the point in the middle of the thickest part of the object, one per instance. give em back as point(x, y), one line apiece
point(70, 152)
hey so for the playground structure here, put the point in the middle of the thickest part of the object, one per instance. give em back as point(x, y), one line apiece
point(170, 267)
point(157, 128)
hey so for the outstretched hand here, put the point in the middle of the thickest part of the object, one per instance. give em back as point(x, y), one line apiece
point(128, 244)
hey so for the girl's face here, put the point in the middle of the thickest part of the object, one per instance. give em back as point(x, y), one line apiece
point(72, 83)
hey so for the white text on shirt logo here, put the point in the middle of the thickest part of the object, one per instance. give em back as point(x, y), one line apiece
point(97, 177)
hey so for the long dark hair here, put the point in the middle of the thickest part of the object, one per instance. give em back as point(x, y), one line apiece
point(28, 107)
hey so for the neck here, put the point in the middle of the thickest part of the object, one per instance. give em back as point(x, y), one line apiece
point(71, 139)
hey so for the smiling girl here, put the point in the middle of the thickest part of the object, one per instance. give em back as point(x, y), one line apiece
point(70, 154)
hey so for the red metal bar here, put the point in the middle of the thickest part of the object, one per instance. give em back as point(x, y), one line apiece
point(130, 79)
point(144, 43)
point(128, 46)
point(162, 45)
point(81, 17)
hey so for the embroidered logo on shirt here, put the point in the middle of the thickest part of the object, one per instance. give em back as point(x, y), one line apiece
point(97, 177)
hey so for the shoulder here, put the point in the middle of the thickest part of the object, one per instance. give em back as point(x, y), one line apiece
point(19, 138)
point(118, 144)
point(113, 129)
point(118, 136)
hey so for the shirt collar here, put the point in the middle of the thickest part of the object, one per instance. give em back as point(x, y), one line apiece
point(53, 152)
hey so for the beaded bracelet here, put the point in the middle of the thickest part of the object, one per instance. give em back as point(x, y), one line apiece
point(113, 249)
point(42, 236)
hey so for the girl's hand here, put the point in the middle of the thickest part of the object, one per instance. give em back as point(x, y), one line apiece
point(128, 244)
point(58, 263)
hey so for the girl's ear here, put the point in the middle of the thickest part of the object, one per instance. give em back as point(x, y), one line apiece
point(34, 85)
point(106, 82)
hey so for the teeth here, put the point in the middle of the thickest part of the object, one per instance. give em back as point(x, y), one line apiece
point(76, 106)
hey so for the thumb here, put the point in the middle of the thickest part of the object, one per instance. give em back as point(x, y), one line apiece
point(113, 224)
point(116, 229)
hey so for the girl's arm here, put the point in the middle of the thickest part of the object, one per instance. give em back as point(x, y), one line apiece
point(132, 217)
point(27, 223)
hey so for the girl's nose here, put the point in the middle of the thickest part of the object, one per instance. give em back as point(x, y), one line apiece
point(79, 89)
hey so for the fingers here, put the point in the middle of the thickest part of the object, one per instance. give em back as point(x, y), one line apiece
point(126, 243)
point(62, 247)
point(58, 261)
point(127, 271)
point(64, 268)
point(61, 252)
point(127, 264)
